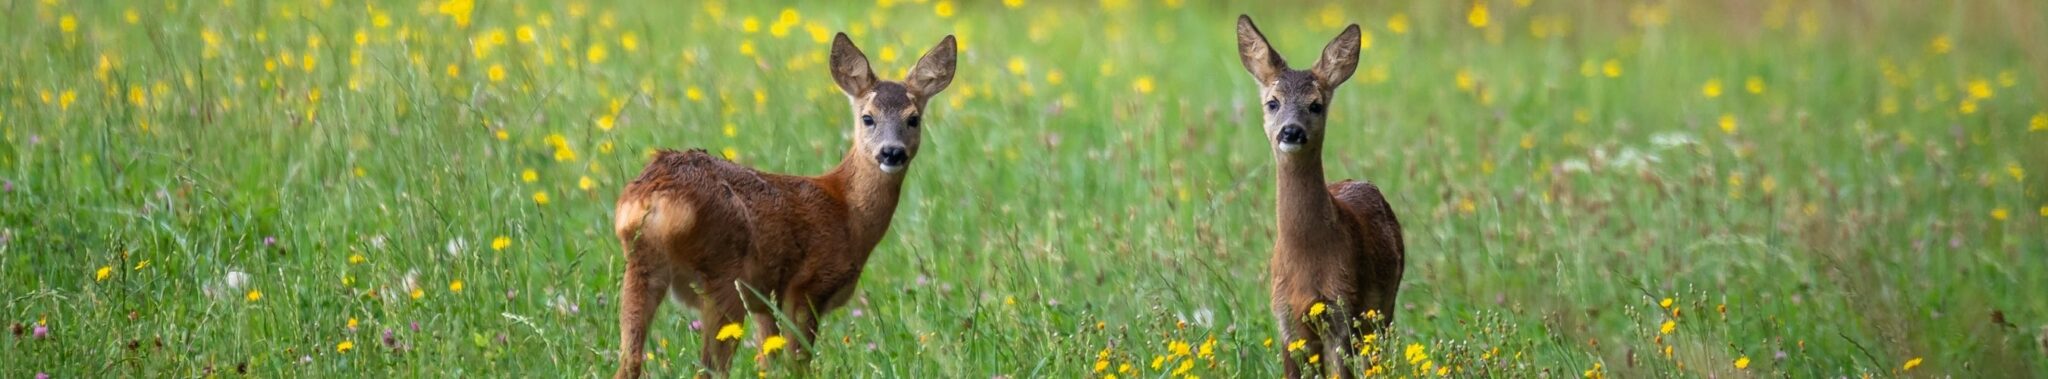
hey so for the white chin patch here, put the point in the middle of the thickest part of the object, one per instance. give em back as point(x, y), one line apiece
point(1289, 147)
point(891, 169)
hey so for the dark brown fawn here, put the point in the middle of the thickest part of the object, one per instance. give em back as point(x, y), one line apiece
point(1338, 245)
point(721, 237)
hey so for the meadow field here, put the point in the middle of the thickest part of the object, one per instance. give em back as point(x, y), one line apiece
point(321, 188)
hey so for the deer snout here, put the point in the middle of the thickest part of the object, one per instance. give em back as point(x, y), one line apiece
point(1291, 138)
point(892, 158)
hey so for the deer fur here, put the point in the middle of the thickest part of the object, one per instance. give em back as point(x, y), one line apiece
point(728, 240)
point(1339, 244)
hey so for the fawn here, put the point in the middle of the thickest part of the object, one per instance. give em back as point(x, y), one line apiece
point(1337, 259)
point(717, 235)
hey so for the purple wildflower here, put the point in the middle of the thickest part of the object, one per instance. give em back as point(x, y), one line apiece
point(42, 331)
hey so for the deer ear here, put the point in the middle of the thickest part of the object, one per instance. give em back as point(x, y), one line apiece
point(935, 71)
point(850, 67)
point(1259, 57)
point(1340, 59)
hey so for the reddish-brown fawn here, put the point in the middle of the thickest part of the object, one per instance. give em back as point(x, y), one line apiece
point(728, 240)
point(1337, 260)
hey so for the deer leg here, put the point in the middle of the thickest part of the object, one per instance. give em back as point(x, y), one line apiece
point(803, 318)
point(721, 306)
point(1337, 340)
point(765, 323)
point(639, 297)
point(1292, 330)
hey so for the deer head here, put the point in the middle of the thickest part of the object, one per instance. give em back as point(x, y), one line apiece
point(888, 115)
point(1296, 103)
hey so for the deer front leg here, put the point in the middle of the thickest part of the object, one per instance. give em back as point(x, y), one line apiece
point(766, 325)
point(639, 297)
point(803, 318)
point(1337, 340)
point(721, 306)
point(1293, 331)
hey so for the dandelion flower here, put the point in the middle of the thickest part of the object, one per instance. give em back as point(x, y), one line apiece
point(529, 176)
point(596, 54)
point(1728, 123)
point(585, 183)
point(356, 259)
point(1742, 363)
point(500, 243)
point(1297, 345)
point(1911, 364)
point(1999, 214)
point(455, 286)
point(540, 197)
point(418, 293)
point(1316, 310)
point(104, 271)
point(2039, 123)
point(944, 8)
point(731, 331)
point(254, 295)
point(344, 346)
point(496, 73)
point(1477, 16)
point(773, 343)
point(1143, 84)
point(1398, 23)
point(1755, 85)
point(1669, 326)
point(1712, 89)
point(352, 323)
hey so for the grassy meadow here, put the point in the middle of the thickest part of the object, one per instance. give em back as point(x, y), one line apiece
point(1760, 188)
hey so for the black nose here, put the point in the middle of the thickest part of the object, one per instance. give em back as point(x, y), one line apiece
point(1293, 135)
point(892, 156)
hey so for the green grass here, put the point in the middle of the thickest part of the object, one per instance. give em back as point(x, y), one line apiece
point(1878, 199)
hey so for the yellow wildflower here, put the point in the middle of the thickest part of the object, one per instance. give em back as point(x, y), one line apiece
point(1316, 310)
point(1911, 364)
point(500, 243)
point(773, 343)
point(104, 271)
point(540, 197)
point(1742, 363)
point(1477, 16)
point(254, 295)
point(731, 331)
point(455, 286)
point(344, 346)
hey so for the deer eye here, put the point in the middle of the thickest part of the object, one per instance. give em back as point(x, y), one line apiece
point(1316, 108)
point(867, 120)
point(913, 121)
point(1272, 105)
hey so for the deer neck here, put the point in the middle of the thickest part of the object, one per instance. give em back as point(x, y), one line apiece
point(870, 195)
point(1306, 214)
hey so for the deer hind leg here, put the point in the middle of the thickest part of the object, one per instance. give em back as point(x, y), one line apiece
point(722, 306)
point(639, 297)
